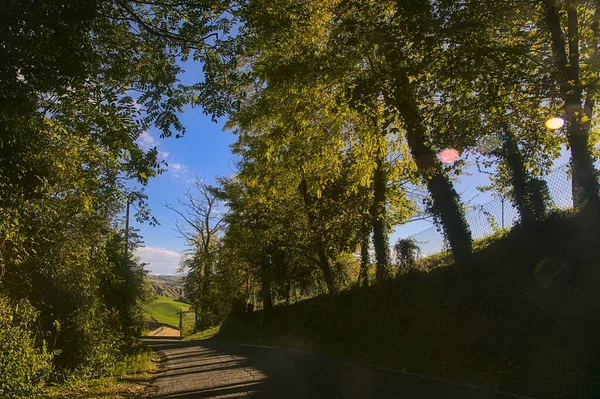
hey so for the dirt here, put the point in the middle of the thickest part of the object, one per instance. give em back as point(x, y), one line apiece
point(164, 331)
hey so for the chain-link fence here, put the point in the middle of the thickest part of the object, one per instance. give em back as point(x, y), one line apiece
point(498, 213)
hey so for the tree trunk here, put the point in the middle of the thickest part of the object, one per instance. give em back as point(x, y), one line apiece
point(365, 261)
point(266, 291)
point(521, 188)
point(288, 292)
point(318, 240)
point(326, 268)
point(446, 202)
point(379, 214)
point(585, 184)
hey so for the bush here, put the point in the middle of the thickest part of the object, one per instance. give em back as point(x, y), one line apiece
point(407, 253)
point(24, 367)
point(90, 346)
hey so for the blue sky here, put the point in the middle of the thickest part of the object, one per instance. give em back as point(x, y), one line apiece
point(205, 152)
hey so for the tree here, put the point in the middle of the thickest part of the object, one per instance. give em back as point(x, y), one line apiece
point(577, 83)
point(407, 253)
point(69, 125)
point(202, 225)
point(544, 45)
point(324, 104)
point(248, 236)
point(300, 161)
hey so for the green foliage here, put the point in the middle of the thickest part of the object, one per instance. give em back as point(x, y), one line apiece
point(378, 82)
point(130, 377)
point(445, 258)
point(100, 314)
point(69, 158)
point(125, 290)
point(24, 363)
point(212, 295)
point(338, 107)
point(137, 362)
point(205, 334)
point(407, 253)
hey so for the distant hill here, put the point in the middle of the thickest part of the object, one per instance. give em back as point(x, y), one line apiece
point(168, 286)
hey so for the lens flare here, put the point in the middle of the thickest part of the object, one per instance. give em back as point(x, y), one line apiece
point(449, 155)
point(555, 123)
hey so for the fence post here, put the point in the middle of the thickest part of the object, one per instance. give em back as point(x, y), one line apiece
point(180, 321)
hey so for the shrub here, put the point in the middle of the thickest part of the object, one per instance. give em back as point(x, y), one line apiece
point(24, 366)
point(407, 253)
point(90, 346)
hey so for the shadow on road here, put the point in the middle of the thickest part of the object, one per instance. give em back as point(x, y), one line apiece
point(211, 370)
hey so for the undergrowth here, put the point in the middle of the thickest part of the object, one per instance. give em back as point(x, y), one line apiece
point(128, 380)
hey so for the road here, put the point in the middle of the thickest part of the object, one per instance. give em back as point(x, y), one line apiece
point(213, 370)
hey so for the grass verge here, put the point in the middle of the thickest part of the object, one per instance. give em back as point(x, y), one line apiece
point(130, 380)
point(203, 335)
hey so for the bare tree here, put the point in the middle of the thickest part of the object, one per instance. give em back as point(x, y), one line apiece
point(201, 222)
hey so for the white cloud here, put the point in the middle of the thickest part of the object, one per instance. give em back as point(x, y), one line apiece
point(159, 260)
point(146, 141)
point(176, 167)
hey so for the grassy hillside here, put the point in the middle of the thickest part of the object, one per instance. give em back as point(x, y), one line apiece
point(524, 317)
point(165, 310)
point(169, 286)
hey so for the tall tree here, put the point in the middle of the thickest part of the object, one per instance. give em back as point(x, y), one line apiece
point(406, 38)
point(342, 94)
point(574, 33)
point(69, 156)
point(201, 226)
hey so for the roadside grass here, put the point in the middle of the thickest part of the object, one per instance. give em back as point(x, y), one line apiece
point(165, 310)
point(204, 335)
point(524, 317)
point(130, 379)
point(445, 258)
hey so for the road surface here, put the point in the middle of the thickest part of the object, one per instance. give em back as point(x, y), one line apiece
point(212, 370)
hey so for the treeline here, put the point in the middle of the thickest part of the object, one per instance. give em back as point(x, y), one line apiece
point(342, 108)
point(80, 82)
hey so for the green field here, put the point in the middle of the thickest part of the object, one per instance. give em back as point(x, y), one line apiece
point(165, 310)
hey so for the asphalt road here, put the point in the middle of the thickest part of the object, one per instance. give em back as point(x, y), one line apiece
point(211, 370)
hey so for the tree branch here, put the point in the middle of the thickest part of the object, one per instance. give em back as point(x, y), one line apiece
point(161, 33)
